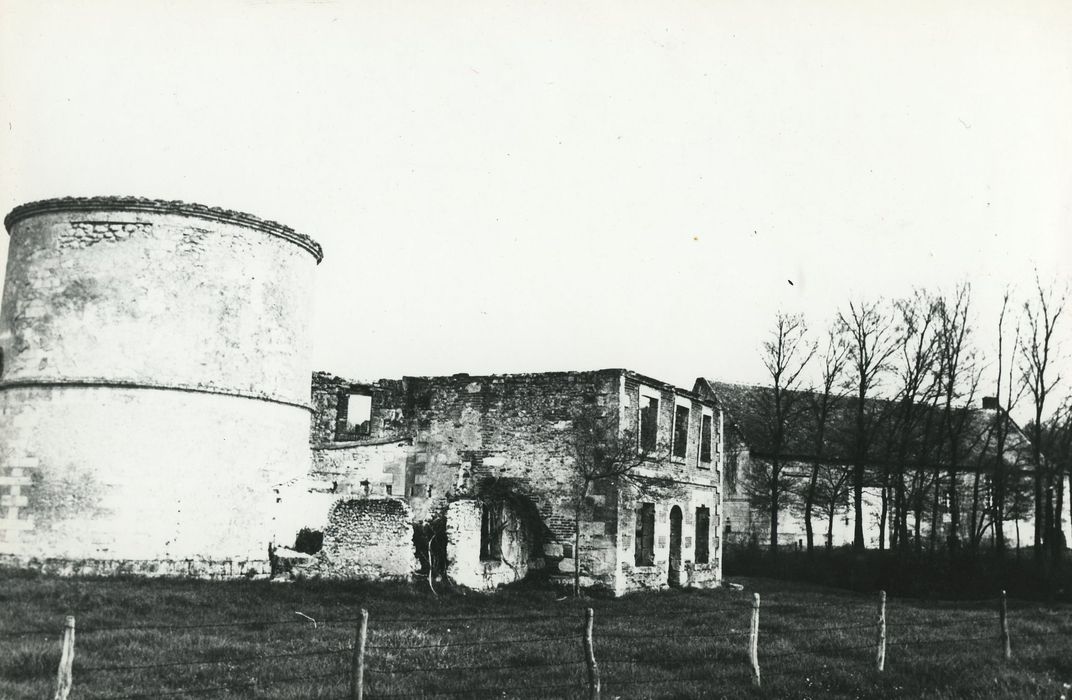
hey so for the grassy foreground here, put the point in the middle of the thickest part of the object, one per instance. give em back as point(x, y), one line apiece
point(174, 639)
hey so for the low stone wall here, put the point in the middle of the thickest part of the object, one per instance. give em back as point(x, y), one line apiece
point(216, 569)
point(366, 538)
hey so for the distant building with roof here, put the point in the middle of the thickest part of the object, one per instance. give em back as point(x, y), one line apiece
point(912, 441)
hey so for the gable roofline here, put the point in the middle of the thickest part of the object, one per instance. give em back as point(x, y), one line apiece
point(741, 402)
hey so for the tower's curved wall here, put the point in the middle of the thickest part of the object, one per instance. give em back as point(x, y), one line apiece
point(155, 379)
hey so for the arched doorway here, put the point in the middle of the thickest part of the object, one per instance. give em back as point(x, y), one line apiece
point(674, 575)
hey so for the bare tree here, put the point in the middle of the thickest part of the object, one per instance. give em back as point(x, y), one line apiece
point(914, 368)
point(1000, 475)
point(1057, 450)
point(785, 356)
point(603, 454)
point(958, 379)
point(1038, 355)
point(870, 335)
point(832, 495)
point(821, 405)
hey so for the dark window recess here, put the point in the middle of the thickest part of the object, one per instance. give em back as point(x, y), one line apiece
point(644, 554)
point(703, 535)
point(649, 423)
point(681, 431)
point(387, 489)
point(354, 416)
point(705, 439)
point(365, 487)
point(491, 529)
point(309, 541)
point(429, 491)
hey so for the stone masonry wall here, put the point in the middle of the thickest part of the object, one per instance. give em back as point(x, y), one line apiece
point(366, 538)
point(523, 428)
point(466, 430)
point(154, 386)
point(689, 484)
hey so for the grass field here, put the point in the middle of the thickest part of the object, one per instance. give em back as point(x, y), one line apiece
point(174, 639)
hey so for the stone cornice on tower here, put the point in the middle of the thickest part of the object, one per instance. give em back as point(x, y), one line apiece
point(160, 206)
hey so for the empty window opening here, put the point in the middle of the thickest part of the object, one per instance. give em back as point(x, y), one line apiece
point(644, 554)
point(491, 529)
point(365, 487)
point(703, 535)
point(705, 439)
point(309, 541)
point(387, 489)
point(681, 431)
point(355, 415)
point(649, 422)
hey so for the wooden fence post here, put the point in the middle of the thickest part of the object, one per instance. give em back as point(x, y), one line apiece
point(64, 679)
point(590, 656)
point(753, 640)
point(880, 655)
point(357, 668)
point(1004, 614)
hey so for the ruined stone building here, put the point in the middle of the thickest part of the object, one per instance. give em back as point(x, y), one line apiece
point(156, 418)
point(921, 452)
point(499, 460)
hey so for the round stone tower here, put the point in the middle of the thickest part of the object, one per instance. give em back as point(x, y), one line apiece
point(154, 384)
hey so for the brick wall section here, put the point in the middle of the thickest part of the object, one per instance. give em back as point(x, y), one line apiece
point(367, 538)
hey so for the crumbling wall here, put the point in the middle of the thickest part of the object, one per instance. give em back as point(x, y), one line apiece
point(387, 421)
point(521, 427)
point(465, 565)
point(366, 538)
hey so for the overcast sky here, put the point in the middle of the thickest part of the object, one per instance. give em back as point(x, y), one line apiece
point(515, 187)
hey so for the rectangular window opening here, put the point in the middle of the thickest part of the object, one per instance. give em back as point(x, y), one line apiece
point(354, 415)
point(681, 431)
point(649, 423)
point(703, 535)
point(705, 439)
point(491, 529)
point(644, 551)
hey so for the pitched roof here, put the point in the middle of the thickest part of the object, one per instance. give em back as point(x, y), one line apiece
point(919, 432)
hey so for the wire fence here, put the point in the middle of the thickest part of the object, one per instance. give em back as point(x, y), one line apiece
point(526, 655)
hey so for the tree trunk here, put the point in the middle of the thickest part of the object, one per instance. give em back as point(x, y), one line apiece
point(882, 518)
point(901, 508)
point(936, 520)
point(858, 507)
point(954, 509)
point(1059, 512)
point(774, 505)
point(577, 541)
point(999, 504)
point(975, 525)
point(917, 524)
point(830, 527)
point(809, 504)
